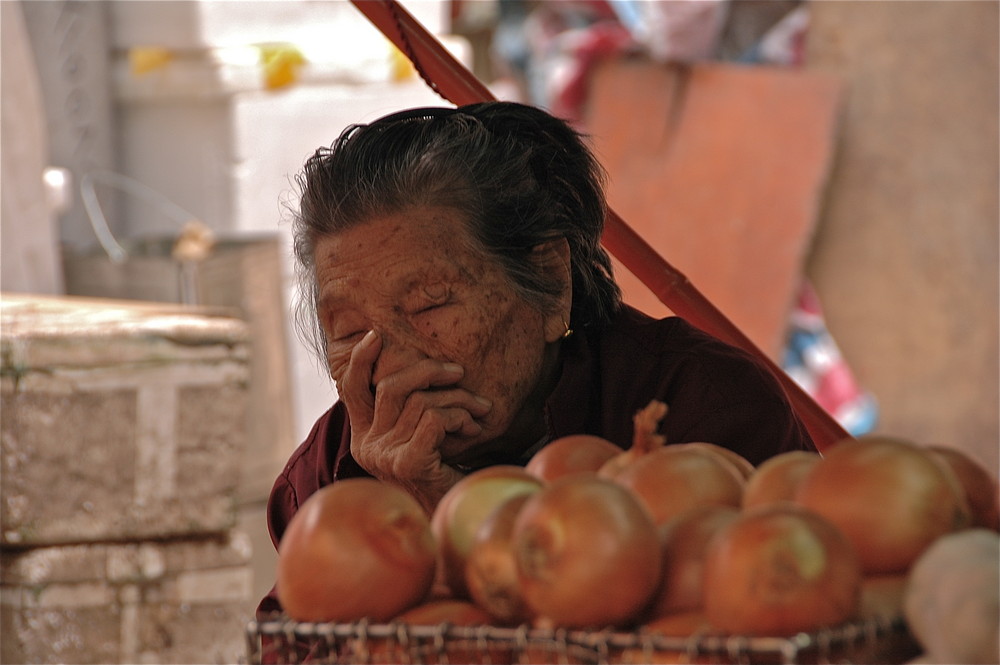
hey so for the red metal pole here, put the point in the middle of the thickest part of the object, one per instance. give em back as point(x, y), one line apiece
point(450, 79)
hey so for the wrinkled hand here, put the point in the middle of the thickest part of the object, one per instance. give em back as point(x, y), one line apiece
point(397, 432)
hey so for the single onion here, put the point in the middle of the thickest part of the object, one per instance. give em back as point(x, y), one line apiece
point(980, 487)
point(671, 480)
point(570, 455)
point(890, 497)
point(744, 466)
point(684, 540)
point(681, 624)
point(450, 611)
point(490, 569)
point(778, 478)
point(356, 549)
point(402, 647)
point(587, 554)
point(464, 508)
point(779, 570)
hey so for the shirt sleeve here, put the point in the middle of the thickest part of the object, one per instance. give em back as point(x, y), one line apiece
point(307, 470)
point(281, 506)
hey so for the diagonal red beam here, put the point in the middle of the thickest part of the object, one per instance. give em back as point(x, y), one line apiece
point(453, 81)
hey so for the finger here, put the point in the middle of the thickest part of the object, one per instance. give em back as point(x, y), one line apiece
point(421, 401)
point(356, 386)
point(406, 457)
point(393, 391)
point(432, 428)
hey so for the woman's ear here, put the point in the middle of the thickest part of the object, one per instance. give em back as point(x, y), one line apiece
point(553, 258)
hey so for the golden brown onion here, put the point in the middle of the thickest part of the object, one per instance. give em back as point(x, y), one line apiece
point(570, 455)
point(671, 480)
point(890, 497)
point(464, 508)
point(778, 478)
point(779, 570)
point(355, 549)
point(587, 553)
point(980, 487)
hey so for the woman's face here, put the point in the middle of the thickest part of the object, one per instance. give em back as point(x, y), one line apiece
point(416, 279)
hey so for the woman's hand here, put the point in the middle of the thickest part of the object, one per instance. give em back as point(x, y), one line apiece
point(397, 430)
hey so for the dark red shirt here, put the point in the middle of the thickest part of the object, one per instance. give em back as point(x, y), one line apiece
point(715, 392)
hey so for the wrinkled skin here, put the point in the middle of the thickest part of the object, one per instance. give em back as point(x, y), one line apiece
point(441, 365)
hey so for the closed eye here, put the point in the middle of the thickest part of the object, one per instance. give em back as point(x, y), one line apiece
point(349, 337)
point(430, 308)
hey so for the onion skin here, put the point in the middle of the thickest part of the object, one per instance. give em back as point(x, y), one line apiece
point(587, 554)
point(431, 613)
point(684, 541)
point(683, 624)
point(981, 491)
point(464, 508)
point(890, 497)
point(491, 570)
point(571, 455)
point(452, 611)
point(356, 549)
point(778, 478)
point(671, 480)
point(744, 466)
point(680, 624)
point(779, 570)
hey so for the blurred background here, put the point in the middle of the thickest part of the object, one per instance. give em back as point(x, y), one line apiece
point(825, 172)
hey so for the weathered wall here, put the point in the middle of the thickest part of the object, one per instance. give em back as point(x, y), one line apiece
point(905, 258)
point(122, 431)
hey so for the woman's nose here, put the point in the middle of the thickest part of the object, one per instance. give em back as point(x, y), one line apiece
point(397, 352)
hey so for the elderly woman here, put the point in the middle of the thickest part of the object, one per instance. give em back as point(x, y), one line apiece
point(455, 283)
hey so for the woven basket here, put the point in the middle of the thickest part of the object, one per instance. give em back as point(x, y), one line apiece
point(280, 640)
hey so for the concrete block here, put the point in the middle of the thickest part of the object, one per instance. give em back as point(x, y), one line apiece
point(181, 601)
point(243, 274)
point(118, 427)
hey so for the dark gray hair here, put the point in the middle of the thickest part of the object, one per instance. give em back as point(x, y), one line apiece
point(518, 176)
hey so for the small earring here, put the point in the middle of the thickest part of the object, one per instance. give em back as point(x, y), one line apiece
point(569, 331)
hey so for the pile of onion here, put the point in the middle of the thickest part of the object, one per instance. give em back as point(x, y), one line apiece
point(358, 548)
point(678, 538)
